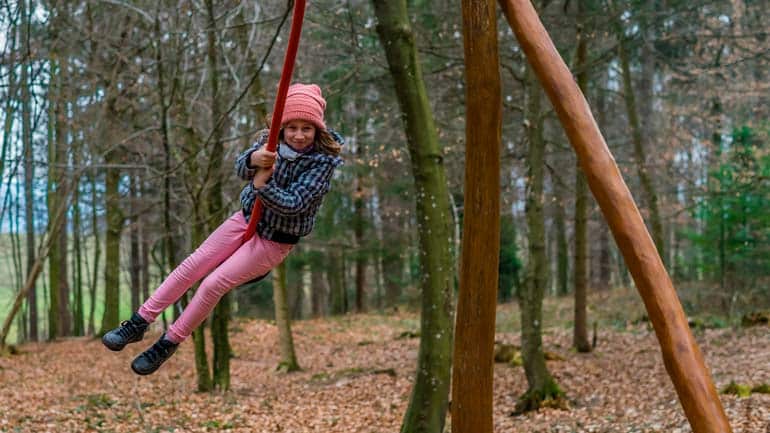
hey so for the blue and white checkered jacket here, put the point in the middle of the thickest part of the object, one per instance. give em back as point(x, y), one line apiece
point(293, 194)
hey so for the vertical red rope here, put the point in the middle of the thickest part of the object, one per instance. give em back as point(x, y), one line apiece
point(280, 102)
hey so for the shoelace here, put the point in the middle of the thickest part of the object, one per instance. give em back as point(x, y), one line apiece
point(155, 352)
point(127, 329)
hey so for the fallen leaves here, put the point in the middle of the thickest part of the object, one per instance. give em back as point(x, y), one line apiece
point(357, 377)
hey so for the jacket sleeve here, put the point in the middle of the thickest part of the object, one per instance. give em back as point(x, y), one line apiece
point(295, 199)
point(243, 168)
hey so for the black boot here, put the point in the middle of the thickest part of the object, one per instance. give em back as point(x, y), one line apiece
point(152, 358)
point(130, 331)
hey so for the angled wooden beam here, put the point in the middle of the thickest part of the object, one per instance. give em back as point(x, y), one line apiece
point(684, 361)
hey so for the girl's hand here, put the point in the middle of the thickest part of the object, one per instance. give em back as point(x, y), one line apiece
point(262, 158)
point(262, 176)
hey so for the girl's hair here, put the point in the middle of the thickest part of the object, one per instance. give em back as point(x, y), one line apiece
point(326, 143)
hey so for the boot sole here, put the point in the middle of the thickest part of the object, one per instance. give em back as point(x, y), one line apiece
point(143, 373)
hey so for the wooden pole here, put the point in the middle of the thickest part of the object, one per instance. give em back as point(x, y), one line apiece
point(683, 360)
point(472, 371)
point(280, 102)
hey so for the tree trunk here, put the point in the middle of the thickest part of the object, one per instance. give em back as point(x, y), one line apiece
point(429, 399)
point(112, 199)
point(54, 264)
point(134, 265)
point(144, 247)
point(114, 217)
point(392, 269)
point(221, 316)
point(358, 230)
point(29, 167)
point(580, 330)
point(203, 374)
point(640, 154)
point(318, 304)
point(335, 274)
point(77, 250)
point(168, 228)
point(10, 96)
point(288, 361)
point(479, 263)
point(359, 212)
point(97, 255)
point(562, 248)
point(542, 386)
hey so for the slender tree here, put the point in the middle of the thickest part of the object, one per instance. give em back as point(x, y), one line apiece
point(428, 402)
point(542, 386)
point(29, 167)
point(580, 330)
point(638, 136)
point(221, 316)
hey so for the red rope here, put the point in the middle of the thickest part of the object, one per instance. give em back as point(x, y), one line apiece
point(280, 102)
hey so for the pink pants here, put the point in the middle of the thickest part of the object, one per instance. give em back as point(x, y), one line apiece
point(228, 263)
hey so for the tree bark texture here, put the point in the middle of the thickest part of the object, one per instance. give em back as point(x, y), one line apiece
point(288, 361)
point(580, 329)
point(475, 326)
point(541, 384)
point(429, 400)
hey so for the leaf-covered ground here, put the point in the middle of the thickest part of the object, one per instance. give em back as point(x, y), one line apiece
point(357, 378)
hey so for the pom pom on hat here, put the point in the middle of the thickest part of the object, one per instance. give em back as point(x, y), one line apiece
point(304, 102)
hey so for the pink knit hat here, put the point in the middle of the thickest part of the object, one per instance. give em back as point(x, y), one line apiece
point(304, 102)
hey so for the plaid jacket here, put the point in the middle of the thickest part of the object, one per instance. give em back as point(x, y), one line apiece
point(293, 194)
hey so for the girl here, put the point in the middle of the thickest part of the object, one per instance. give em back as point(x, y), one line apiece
point(290, 183)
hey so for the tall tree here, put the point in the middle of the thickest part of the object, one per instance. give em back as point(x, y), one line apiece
point(29, 167)
point(475, 326)
point(221, 317)
point(542, 386)
point(114, 88)
point(580, 330)
point(638, 137)
point(359, 223)
point(428, 403)
point(133, 235)
point(91, 330)
point(59, 317)
point(78, 282)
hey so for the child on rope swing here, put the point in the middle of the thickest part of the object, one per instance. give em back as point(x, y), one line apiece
point(291, 184)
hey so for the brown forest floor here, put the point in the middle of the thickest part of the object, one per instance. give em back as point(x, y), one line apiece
point(357, 377)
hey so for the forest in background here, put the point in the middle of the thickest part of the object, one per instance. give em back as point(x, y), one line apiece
point(121, 122)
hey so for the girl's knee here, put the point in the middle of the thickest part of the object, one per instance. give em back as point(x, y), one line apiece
point(213, 288)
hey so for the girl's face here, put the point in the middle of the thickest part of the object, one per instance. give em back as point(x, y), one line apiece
point(299, 134)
